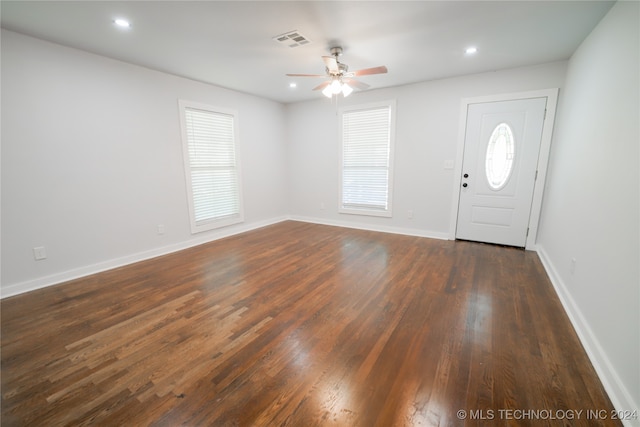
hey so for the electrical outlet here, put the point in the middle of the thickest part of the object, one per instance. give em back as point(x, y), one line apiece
point(322, 206)
point(448, 164)
point(161, 229)
point(39, 253)
point(410, 214)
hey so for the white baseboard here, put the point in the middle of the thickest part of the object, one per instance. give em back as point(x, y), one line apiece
point(55, 279)
point(369, 227)
point(618, 393)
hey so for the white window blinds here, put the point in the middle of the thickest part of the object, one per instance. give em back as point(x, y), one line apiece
point(366, 160)
point(211, 166)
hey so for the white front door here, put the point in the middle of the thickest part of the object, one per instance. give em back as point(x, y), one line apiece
point(499, 168)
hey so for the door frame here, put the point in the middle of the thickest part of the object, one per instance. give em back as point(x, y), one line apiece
point(543, 155)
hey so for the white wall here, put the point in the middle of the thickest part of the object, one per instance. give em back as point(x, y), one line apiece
point(92, 161)
point(428, 117)
point(591, 206)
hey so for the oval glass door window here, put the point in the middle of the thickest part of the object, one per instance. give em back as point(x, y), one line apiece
point(500, 156)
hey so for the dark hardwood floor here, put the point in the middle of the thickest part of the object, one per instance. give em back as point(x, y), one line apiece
point(301, 325)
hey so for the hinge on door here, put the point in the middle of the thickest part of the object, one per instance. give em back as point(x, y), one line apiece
point(536, 177)
point(527, 235)
point(545, 115)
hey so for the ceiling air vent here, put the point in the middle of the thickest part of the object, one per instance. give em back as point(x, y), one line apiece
point(292, 39)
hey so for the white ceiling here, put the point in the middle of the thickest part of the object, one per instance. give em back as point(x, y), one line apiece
point(229, 43)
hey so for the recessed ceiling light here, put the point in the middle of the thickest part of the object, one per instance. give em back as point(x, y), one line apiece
point(292, 85)
point(471, 50)
point(122, 23)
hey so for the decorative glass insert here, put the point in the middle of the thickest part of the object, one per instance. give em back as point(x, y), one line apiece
point(500, 156)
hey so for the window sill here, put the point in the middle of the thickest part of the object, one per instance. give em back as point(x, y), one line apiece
point(365, 212)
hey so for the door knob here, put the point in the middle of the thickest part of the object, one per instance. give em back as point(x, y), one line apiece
point(465, 185)
point(466, 175)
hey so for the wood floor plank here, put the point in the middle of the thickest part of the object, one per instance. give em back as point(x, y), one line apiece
point(300, 324)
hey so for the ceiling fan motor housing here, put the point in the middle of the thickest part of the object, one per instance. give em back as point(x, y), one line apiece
point(342, 69)
point(336, 51)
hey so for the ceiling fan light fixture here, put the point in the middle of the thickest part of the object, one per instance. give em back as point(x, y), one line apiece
point(336, 86)
point(346, 90)
point(327, 91)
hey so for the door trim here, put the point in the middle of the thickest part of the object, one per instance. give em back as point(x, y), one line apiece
point(543, 156)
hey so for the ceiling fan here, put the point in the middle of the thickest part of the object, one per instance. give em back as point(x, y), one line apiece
point(341, 79)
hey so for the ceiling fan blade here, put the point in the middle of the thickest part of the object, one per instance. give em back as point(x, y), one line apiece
point(356, 84)
point(331, 63)
point(367, 71)
point(306, 75)
point(322, 85)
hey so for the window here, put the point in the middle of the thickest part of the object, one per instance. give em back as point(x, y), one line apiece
point(367, 158)
point(209, 142)
point(500, 156)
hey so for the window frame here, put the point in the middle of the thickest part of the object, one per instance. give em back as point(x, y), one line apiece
point(219, 222)
point(391, 105)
